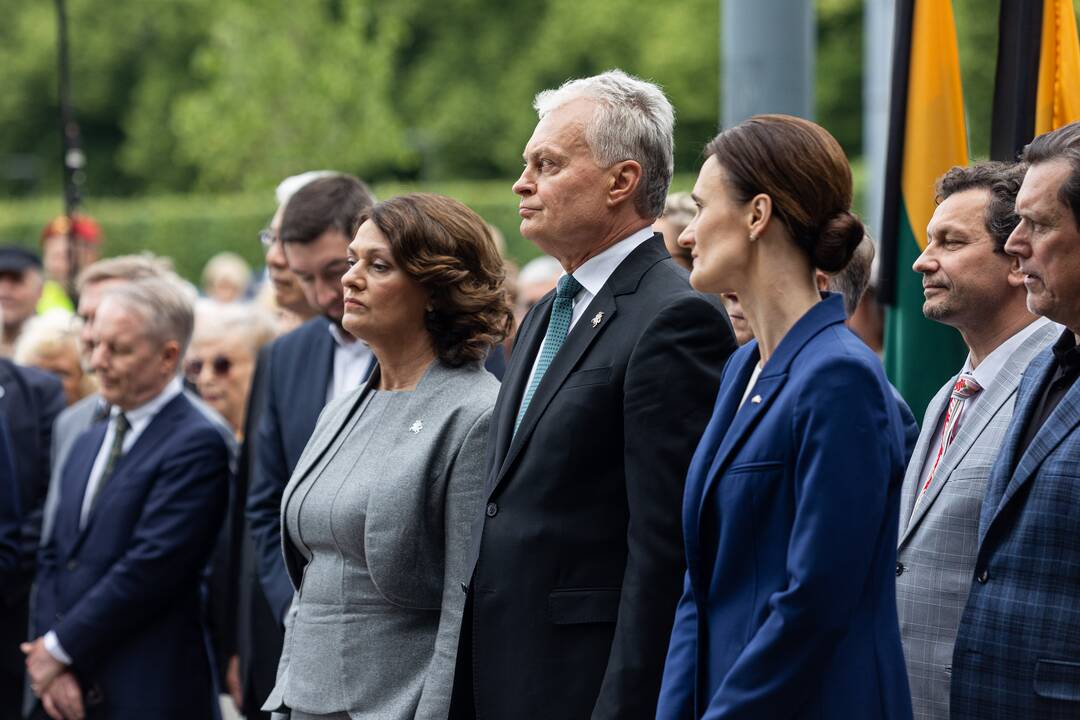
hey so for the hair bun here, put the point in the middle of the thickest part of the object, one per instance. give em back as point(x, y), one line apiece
point(837, 241)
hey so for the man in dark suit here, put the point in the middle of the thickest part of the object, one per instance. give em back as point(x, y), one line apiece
point(578, 561)
point(1017, 652)
point(309, 366)
point(10, 509)
point(29, 402)
point(118, 615)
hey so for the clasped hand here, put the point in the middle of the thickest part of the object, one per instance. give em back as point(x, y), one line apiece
point(53, 683)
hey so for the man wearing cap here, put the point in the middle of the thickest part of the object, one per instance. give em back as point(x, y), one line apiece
point(56, 239)
point(20, 290)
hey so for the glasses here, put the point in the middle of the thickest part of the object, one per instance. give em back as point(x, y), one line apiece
point(220, 365)
point(267, 238)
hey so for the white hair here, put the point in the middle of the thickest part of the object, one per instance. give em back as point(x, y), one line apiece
point(633, 120)
point(162, 303)
point(245, 323)
point(542, 269)
point(288, 187)
point(47, 334)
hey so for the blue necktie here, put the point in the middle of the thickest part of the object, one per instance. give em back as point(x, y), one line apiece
point(562, 312)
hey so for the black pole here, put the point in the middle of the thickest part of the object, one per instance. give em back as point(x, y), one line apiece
point(1012, 125)
point(72, 157)
point(894, 158)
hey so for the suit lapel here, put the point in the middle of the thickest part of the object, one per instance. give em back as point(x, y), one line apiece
point(76, 476)
point(1006, 471)
point(312, 399)
point(526, 347)
point(929, 438)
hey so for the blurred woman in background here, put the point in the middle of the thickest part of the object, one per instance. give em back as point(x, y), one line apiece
point(50, 342)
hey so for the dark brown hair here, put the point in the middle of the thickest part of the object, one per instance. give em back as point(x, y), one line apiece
point(448, 249)
point(1060, 144)
point(1002, 180)
point(803, 169)
point(329, 203)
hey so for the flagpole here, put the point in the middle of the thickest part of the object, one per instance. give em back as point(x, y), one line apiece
point(1012, 124)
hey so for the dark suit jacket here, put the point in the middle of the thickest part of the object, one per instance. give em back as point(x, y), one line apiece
point(10, 509)
point(298, 372)
point(789, 608)
point(29, 401)
point(578, 558)
point(123, 593)
point(1017, 652)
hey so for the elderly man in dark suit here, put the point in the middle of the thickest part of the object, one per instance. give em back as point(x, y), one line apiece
point(577, 561)
point(29, 402)
point(1017, 651)
point(971, 284)
point(306, 368)
point(118, 615)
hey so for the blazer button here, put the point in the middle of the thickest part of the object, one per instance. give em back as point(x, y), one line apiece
point(492, 509)
point(72, 564)
point(899, 569)
point(983, 576)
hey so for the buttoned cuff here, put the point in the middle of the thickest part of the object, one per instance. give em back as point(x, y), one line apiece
point(54, 648)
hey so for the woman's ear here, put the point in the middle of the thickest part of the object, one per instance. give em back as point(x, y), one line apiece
point(760, 214)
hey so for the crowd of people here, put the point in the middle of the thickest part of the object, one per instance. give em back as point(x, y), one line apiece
point(660, 478)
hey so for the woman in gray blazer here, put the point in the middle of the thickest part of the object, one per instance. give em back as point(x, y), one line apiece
point(376, 517)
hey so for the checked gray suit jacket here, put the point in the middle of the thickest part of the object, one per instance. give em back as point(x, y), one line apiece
point(938, 543)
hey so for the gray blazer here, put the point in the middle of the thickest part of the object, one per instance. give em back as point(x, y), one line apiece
point(423, 499)
point(938, 544)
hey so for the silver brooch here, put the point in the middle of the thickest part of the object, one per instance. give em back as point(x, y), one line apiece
point(416, 427)
point(756, 399)
point(597, 318)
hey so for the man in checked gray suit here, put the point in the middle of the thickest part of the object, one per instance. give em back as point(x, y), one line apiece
point(970, 284)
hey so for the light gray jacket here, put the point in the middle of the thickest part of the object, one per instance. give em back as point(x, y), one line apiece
point(424, 496)
point(938, 543)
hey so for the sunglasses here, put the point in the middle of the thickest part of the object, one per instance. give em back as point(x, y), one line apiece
point(220, 365)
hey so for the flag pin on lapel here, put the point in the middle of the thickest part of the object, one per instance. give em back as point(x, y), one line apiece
point(416, 427)
point(756, 399)
point(597, 318)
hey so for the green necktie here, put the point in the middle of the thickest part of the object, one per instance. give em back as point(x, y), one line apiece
point(120, 431)
point(562, 312)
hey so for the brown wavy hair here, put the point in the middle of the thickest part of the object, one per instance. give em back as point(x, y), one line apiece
point(448, 249)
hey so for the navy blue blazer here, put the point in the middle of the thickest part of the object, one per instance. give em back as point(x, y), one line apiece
point(9, 509)
point(298, 372)
point(1017, 652)
point(123, 593)
point(790, 520)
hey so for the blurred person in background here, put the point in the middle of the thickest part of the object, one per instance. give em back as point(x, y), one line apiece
point(221, 361)
point(56, 239)
point(226, 277)
point(20, 290)
point(119, 613)
point(535, 280)
point(376, 522)
point(30, 400)
point(50, 342)
point(679, 210)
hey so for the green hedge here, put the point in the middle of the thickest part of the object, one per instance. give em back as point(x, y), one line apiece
point(191, 228)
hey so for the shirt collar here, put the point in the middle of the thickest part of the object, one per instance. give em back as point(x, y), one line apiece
point(1066, 352)
point(345, 341)
point(595, 271)
point(152, 406)
point(991, 365)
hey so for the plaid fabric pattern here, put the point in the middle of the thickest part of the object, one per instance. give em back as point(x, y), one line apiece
point(939, 538)
point(1017, 651)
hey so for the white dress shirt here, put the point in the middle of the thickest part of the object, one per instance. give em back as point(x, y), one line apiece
point(352, 361)
point(986, 374)
point(593, 275)
point(138, 420)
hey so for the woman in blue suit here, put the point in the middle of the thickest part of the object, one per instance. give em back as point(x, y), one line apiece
point(791, 501)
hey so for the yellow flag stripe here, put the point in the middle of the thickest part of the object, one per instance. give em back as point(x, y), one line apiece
point(935, 137)
point(1058, 99)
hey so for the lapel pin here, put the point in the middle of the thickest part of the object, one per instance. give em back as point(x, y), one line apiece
point(597, 318)
point(756, 399)
point(416, 427)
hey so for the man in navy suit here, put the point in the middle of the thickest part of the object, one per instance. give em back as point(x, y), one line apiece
point(29, 402)
point(117, 613)
point(309, 366)
point(1017, 652)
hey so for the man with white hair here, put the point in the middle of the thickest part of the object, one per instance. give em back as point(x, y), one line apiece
point(118, 613)
point(578, 561)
